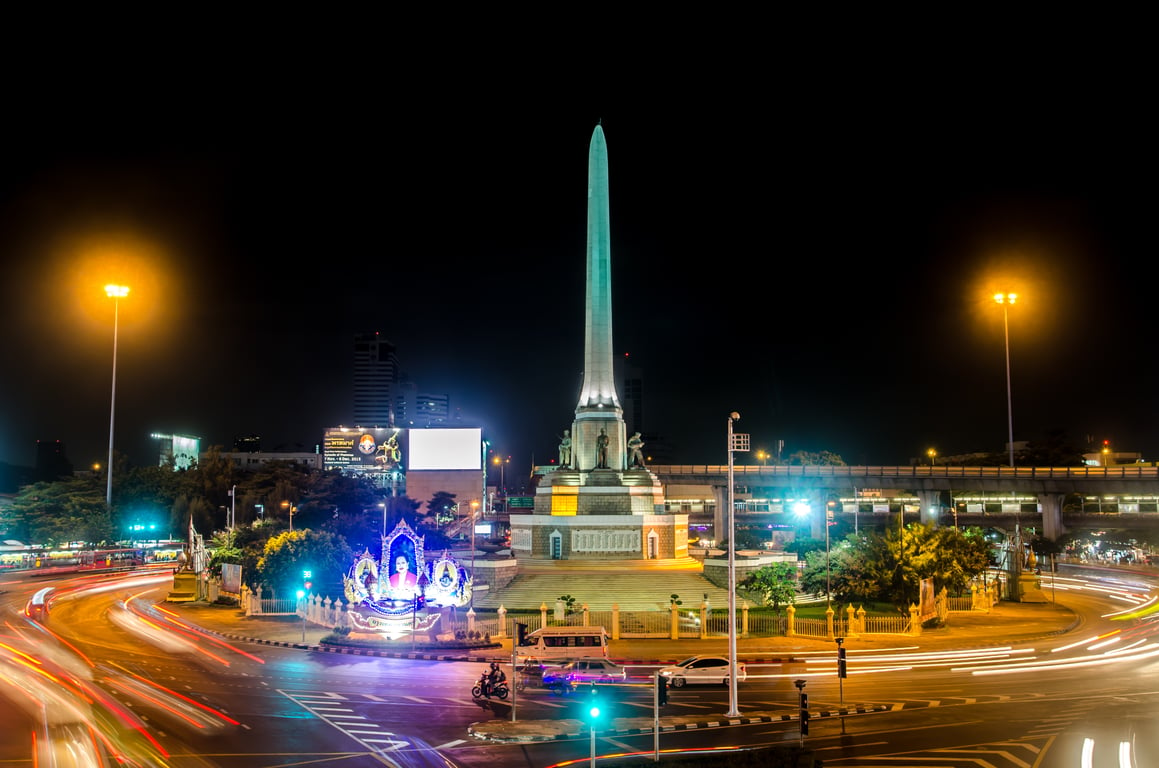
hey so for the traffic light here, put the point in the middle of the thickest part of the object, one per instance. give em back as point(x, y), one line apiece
point(593, 706)
point(520, 634)
point(803, 713)
point(841, 662)
point(307, 580)
point(661, 690)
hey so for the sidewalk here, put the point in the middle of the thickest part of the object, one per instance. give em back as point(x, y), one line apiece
point(1005, 624)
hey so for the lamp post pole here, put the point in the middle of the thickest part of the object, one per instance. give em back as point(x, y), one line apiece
point(232, 512)
point(828, 517)
point(1006, 299)
point(735, 443)
point(116, 293)
point(474, 511)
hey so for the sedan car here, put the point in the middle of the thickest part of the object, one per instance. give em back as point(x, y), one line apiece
point(701, 669)
point(566, 677)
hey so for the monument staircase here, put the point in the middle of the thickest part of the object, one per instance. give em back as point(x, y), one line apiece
point(644, 585)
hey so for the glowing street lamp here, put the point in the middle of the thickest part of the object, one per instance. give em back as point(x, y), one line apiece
point(291, 509)
point(803, 510)
point(116, 293)
point(502, 463)
point(1006, 299)
point(932, 454)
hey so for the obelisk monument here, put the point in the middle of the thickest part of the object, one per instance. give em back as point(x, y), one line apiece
point(596, 507)
point(599, 406)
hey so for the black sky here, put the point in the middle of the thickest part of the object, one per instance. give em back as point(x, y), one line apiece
point(817, 257)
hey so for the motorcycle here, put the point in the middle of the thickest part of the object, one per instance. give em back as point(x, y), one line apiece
point(499, 689)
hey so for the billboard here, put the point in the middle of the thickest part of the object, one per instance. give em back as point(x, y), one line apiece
point(445, 449)
point(182, 450)
point(362, 449)
point(387, 448)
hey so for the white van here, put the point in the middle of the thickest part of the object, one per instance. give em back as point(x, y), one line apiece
point(554, 643)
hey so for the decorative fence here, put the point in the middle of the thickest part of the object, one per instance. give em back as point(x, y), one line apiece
point(254, 604)
point(673, 623)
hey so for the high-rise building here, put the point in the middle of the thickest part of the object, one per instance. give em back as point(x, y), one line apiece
point(413, 408)
point(631, 390)
point(376, 375)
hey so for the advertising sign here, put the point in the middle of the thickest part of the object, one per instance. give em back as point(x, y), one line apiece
point(445, 449)
point(363, 449)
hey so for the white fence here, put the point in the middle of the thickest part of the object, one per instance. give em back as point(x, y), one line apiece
point(673, 623)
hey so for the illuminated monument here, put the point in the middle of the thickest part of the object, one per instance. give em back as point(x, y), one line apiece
point(597, 507)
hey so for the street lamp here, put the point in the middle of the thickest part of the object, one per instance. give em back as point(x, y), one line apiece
point(474, 509)
point(932, 454)
point(116, 293)
point(803, 510)
point(1006, 299)
point(289, 507)
point(735, 443)
point(502, 463)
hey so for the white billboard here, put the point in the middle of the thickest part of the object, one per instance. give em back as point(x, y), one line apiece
point(445, 449)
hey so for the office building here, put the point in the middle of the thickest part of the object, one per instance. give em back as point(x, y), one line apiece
point(376, 376)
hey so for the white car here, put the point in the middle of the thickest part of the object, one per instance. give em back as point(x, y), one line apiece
point(701, 669)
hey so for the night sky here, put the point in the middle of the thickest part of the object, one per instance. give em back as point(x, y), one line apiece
point(819, 259)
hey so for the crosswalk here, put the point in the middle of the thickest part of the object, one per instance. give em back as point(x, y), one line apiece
point(347, 712)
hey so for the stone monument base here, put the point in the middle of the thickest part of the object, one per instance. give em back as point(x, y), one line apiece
point(184, 588)
point(1030, 589)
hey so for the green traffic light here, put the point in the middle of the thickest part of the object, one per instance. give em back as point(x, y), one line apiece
point(595, 712)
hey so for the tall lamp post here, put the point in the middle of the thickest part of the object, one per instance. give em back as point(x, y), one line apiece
point(1006, 299)
point(500, 462)
point(735, 443)
point(116, 293)
point(291, 509)
point(474, 510)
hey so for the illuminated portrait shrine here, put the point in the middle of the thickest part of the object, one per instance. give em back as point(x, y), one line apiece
point(400, 592)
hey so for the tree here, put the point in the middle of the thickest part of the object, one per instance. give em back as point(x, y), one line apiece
point(824, 458)
point(774, 584)
point(890, 568)
point(288, 554)
point(1053, 450)
point(60, 512)
point(441, 509)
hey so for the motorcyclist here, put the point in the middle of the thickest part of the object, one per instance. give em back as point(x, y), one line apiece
point(494, 677)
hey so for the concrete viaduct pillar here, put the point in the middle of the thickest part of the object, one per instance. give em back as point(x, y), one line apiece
point(930, 507)
point(1051, 506)
point(720, 516)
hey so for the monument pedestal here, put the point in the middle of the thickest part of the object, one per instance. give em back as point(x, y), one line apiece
point(1030, 589)
point(184, 588)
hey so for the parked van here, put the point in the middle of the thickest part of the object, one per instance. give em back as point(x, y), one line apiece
point(554, 643)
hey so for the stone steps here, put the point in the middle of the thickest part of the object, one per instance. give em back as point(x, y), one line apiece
point(600, 590)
